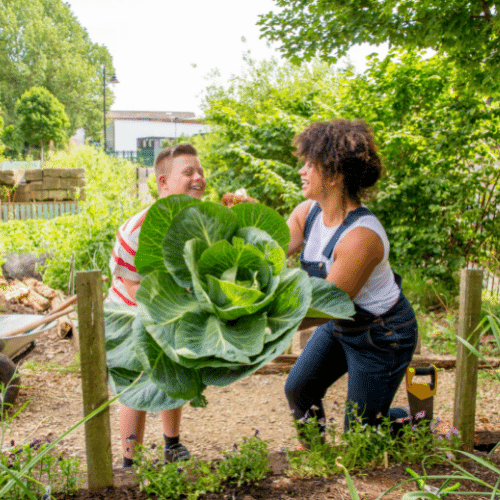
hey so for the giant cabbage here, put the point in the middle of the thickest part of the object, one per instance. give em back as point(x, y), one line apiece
point(216, 302)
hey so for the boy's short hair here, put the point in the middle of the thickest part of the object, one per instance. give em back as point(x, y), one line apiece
point(163, 167)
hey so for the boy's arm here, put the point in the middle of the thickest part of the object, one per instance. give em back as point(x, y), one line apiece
point(131, 287)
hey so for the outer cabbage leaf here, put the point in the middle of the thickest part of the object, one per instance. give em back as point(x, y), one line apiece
point(174, 379)
point(290, 304)
point(119, 321)
point(153, 229)
point(203, 335)
point(329, 301)
point(205, 221)
point(265, 218)
point(145, 395)
point(162, 303)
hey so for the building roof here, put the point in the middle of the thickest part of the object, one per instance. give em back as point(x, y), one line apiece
point(159, 116)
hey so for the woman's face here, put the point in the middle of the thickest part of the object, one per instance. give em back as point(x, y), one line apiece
point(312, 181)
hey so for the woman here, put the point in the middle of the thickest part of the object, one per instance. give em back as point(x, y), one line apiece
point(346, 244)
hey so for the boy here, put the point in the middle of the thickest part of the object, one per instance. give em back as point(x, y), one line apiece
point(177, 171)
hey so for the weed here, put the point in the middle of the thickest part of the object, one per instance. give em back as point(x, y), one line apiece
point(54, 367)
point(245, 463)
point(367, 446)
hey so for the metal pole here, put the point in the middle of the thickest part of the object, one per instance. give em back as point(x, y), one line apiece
point(104, 106)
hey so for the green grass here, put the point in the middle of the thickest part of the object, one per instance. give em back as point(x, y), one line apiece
point(53, 366)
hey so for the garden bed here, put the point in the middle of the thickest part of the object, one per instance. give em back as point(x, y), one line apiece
point(51, 384)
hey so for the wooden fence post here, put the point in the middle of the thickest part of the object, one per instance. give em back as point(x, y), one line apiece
point(464, 412)
point(94, 380)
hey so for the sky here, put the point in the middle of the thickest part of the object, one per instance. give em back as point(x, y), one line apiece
point(163, 51)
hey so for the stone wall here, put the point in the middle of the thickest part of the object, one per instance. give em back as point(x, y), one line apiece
point(48, 184)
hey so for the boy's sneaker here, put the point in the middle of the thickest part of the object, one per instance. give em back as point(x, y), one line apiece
point(176, 453)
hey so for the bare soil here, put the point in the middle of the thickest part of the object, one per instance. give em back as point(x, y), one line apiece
point(51, 385)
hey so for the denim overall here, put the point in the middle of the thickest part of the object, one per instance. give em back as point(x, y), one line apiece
point(374, 350)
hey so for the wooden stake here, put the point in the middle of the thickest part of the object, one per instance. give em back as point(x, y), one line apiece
point(464, 412)
point(94, 380)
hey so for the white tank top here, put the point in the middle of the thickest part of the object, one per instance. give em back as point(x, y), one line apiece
point(380, 292)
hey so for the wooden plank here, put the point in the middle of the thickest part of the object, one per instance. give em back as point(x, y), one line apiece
point(464, 411)
point(94, 380)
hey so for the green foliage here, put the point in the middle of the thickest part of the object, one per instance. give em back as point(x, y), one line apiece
point(178, 140)
point(437, 137)
point(152, 187)
point(253, 122)
point(43, 44)
point(367, 446)
point(465, 32)
point(216, 301)
point(2, 131)
point(90, 235)
point(41, 118)
point(52, 473)
point(33, 470)
point(246, 463)
point(438, 140)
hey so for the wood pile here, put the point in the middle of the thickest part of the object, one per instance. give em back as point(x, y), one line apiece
point(41, 298)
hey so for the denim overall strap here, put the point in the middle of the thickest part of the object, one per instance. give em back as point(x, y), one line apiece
point(310, 219)
point(316, 269)
point(350, 219)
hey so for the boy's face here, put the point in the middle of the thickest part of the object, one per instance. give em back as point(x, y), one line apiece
point(186, 177)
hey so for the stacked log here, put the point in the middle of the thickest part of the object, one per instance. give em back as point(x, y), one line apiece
point(42, 299)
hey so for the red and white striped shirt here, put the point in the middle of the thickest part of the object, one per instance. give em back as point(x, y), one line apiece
point(122, 259)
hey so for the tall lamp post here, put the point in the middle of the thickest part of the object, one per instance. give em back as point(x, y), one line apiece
point(112, 80)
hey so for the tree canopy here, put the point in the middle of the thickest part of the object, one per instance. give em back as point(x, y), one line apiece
point(253, 122)
point(438, 140)
point(42, 44)
point(466, 32)
point(41, 118)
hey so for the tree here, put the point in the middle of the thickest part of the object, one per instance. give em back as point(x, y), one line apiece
point(253, 123)
point(42, 44)
point(439, 140)
point(41, 118)
point(466, 32)
point(2, 147)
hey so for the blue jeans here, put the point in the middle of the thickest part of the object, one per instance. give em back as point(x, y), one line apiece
point(375, 353)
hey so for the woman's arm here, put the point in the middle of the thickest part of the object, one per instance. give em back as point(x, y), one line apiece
point(355, 258)
point(296, 223)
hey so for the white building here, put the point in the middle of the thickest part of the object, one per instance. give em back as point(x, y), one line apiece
point(128, 126)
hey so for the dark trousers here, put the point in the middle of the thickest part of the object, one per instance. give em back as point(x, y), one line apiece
point(374, 354)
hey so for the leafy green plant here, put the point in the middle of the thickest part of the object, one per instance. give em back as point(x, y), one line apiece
point(246, 463)
point(152, 187)
point(110, 199)
point(35, 467)
point(367, 446)
point(216, 301)
point(460, 474)
point(28, 470)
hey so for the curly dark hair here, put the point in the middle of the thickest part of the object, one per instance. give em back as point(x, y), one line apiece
point(342, 147)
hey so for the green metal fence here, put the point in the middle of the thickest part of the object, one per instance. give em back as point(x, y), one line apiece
point(39, 210)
